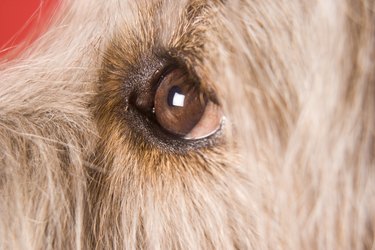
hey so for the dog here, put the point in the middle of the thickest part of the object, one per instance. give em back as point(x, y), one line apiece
point(191, 124)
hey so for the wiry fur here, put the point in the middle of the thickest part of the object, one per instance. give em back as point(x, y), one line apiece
point(294, 168)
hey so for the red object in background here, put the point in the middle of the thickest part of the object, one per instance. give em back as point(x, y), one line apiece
point(22, 21)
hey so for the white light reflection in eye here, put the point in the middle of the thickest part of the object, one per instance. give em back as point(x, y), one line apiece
point(178, 100)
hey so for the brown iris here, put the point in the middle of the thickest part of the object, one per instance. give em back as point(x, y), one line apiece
point(183, 109)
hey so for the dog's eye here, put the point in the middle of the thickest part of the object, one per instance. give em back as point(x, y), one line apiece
point(183, 109)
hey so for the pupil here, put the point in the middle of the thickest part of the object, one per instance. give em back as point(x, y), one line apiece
point(175, 97)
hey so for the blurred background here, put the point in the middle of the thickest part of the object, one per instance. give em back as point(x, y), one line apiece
point(21, 22)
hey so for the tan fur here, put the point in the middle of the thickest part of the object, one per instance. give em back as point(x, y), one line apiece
point(294, 168)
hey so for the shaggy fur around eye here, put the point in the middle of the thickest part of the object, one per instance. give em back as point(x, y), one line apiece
point(292, 168)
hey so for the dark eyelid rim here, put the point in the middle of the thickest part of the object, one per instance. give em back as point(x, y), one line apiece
point(159, 75)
